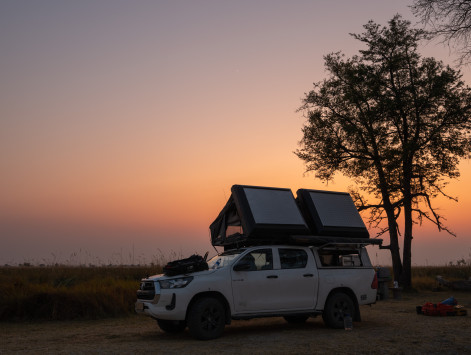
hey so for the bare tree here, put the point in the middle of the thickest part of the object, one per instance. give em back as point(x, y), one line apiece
point(449, 20)
point(395, 123)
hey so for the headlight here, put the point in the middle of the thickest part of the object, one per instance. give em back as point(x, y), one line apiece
point(176, 283)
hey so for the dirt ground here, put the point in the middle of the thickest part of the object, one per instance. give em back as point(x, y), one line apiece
point(388, 327)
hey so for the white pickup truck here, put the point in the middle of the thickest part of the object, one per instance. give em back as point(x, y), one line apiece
point(294, 282)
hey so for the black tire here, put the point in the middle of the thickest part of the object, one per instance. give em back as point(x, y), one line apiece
point(206, 318)
point(335, 308)
point(296, 319)
point(171, 326)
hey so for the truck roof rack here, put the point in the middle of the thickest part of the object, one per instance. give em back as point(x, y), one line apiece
point(241, 241)
point(322, 241)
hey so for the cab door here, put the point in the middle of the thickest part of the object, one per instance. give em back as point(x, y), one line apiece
point(298, 279)
point(255, 284)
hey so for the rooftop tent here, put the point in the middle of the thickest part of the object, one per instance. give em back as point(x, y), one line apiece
point(263, 213)
point(331, 214)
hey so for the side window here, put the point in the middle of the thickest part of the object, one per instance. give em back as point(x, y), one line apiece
point(340, 258)
point(261, 259)
point(292, 258)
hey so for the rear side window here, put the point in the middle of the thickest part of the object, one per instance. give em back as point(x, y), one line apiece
point(340, 257)
point(292, 258)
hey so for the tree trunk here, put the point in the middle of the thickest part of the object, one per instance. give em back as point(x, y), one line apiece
point(393, 240)
point(406, 278)
point(394, 243)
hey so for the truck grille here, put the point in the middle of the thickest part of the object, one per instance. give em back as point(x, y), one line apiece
point(146, 291)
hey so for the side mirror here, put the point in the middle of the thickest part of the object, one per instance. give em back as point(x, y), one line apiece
point(242, 266)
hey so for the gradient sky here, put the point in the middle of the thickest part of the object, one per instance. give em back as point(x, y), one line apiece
point(123, 124)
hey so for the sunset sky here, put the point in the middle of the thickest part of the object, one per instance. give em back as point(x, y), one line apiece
point(124, 124)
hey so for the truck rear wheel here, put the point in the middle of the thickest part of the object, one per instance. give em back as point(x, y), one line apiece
point(171, 326)
point(206, 318)
point(337, 306)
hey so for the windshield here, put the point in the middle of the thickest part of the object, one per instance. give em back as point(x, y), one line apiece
point(223, 259)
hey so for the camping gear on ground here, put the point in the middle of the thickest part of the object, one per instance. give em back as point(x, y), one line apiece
point(448, 307)
point(256, 215)
point(347, 322)
point(384, 277)
point(185, 266)
point(460, 310)
point(396, 291)
point(451, 301)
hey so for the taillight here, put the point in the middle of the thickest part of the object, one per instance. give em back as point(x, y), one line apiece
point(374, 284)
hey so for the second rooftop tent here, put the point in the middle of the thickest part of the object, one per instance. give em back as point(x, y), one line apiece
point(330, 213)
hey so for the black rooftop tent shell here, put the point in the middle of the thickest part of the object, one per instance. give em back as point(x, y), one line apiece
point(331, 213)
point(261, 213)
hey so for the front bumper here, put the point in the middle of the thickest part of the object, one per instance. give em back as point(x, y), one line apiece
point(160, 303)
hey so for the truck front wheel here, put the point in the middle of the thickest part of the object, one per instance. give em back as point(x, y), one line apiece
point(337, 306)
point(171, 326)
point(206, 318)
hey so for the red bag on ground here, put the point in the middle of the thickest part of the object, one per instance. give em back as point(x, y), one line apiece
point(438, 309)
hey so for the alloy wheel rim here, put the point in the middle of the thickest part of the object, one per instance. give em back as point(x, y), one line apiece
point(210, 318)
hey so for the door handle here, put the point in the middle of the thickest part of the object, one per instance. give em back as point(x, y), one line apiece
point(308, 275)
point(272, 276)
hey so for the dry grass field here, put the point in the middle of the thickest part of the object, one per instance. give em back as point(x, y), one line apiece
point(72, 293)
point(388, 327)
